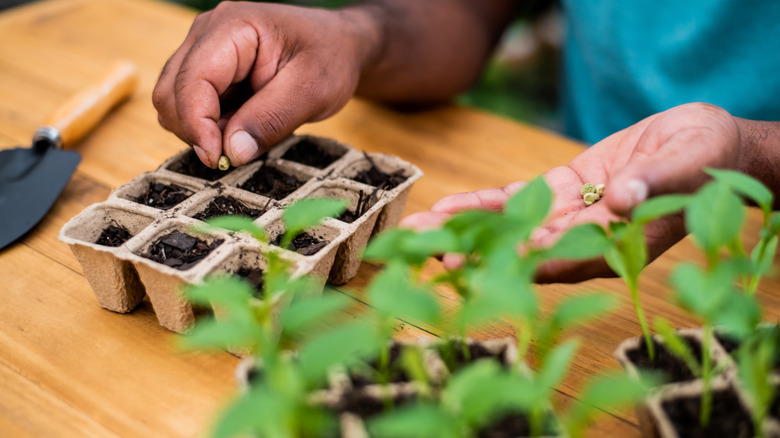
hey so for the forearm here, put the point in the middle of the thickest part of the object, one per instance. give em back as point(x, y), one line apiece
point(430, 50)
point(760, 153)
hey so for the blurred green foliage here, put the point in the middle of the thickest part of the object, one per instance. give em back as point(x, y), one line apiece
point(525, 92)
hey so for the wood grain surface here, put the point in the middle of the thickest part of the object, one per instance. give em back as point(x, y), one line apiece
point(70, 368)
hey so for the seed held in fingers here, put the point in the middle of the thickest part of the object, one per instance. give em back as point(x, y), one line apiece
point(224, 163)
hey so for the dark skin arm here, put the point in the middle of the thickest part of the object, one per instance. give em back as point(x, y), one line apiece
point(248, 74)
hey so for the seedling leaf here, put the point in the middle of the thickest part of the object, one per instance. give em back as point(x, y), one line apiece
point(746, 186)
point(303, 314)
point(339, 345)
point(392, 294)
point(236, 223)
point(714, 216)
point(429, 243)
point(531, 204)
point(309, 212)
point(385, 246)
point(210, 334)
point(583, 241)
point(556, 364)
point(421, 420)
point(658, 207)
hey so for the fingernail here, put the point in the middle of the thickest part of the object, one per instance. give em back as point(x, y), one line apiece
point(201, 153)
point(243, 146)
point(637, 192)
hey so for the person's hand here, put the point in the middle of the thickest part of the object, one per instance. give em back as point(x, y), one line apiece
point(248, 74)
point(665, 153)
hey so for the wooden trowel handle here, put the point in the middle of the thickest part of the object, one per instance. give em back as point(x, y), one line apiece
point(76, 117)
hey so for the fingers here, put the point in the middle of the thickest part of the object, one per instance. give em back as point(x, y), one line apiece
point(671, 155)
point(486, 199)
point(273, 113)
point(218, 60)
point(163, 96)
point(426, 220)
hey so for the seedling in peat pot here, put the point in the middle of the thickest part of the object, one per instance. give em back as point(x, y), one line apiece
point(484, 399)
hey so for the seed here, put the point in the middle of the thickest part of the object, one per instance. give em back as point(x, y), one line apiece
point(224, 163)
point(600, 190)
point(587, 188)
point(590, 198)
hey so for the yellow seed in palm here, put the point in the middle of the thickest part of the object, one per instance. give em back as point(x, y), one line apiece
point(590, 198)
point(587, 188)
point(600, 190)
point(224, 163)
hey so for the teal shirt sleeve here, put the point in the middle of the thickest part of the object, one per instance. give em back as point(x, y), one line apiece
point(626, 60)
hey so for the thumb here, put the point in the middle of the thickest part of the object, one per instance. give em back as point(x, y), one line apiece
point(665, 164)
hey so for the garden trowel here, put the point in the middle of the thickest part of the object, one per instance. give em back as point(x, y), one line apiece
point(31, 178)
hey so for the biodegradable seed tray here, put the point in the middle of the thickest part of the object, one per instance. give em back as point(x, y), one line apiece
point(139, 256)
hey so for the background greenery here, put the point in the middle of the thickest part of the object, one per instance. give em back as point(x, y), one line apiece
point(519, 82)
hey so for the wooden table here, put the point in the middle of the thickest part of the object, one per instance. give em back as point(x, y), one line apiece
point(71, 368)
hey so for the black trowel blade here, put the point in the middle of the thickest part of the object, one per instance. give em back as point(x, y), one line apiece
point(30, 183)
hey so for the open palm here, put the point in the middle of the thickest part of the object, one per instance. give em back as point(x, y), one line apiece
point(665, 153)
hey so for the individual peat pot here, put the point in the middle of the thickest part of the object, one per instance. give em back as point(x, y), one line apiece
point(729, 345)
point(227, 201)
point(368, 373)
point(187, 163)
point(96, 236)
point(316, 152)
point(158, 193)
point(314, 250)
point(358, 220)
point(193, 255)
point(632, 356)
point(676, 412)
point(455, 353)
point(355, 406)
point(390, 174)
point(273, 180)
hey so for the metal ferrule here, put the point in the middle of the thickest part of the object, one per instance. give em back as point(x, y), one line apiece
point(46, 137)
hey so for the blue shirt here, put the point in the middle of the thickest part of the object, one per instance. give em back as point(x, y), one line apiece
point(625, 60)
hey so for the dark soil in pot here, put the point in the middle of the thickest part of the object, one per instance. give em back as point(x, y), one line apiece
point(191, 165)
point(512, 425)
point(364, 405)
point(304, 244)
point(374, 176)
point(455, 356)
point(369, 373)
point(163, 196)
point(227, 205)
point(365, 202)
point(254, 276)
point(728, 418)
point(113, 235)
point(272, 183)
point(179, 250)
point(674, 369)
point(311, 154)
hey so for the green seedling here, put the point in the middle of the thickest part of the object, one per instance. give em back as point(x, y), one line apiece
point(627, 254)
point(676, 345)
point(755, 361)
point(764, 252)
point(395, 297)
point(483, 392)
point(627, 257)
